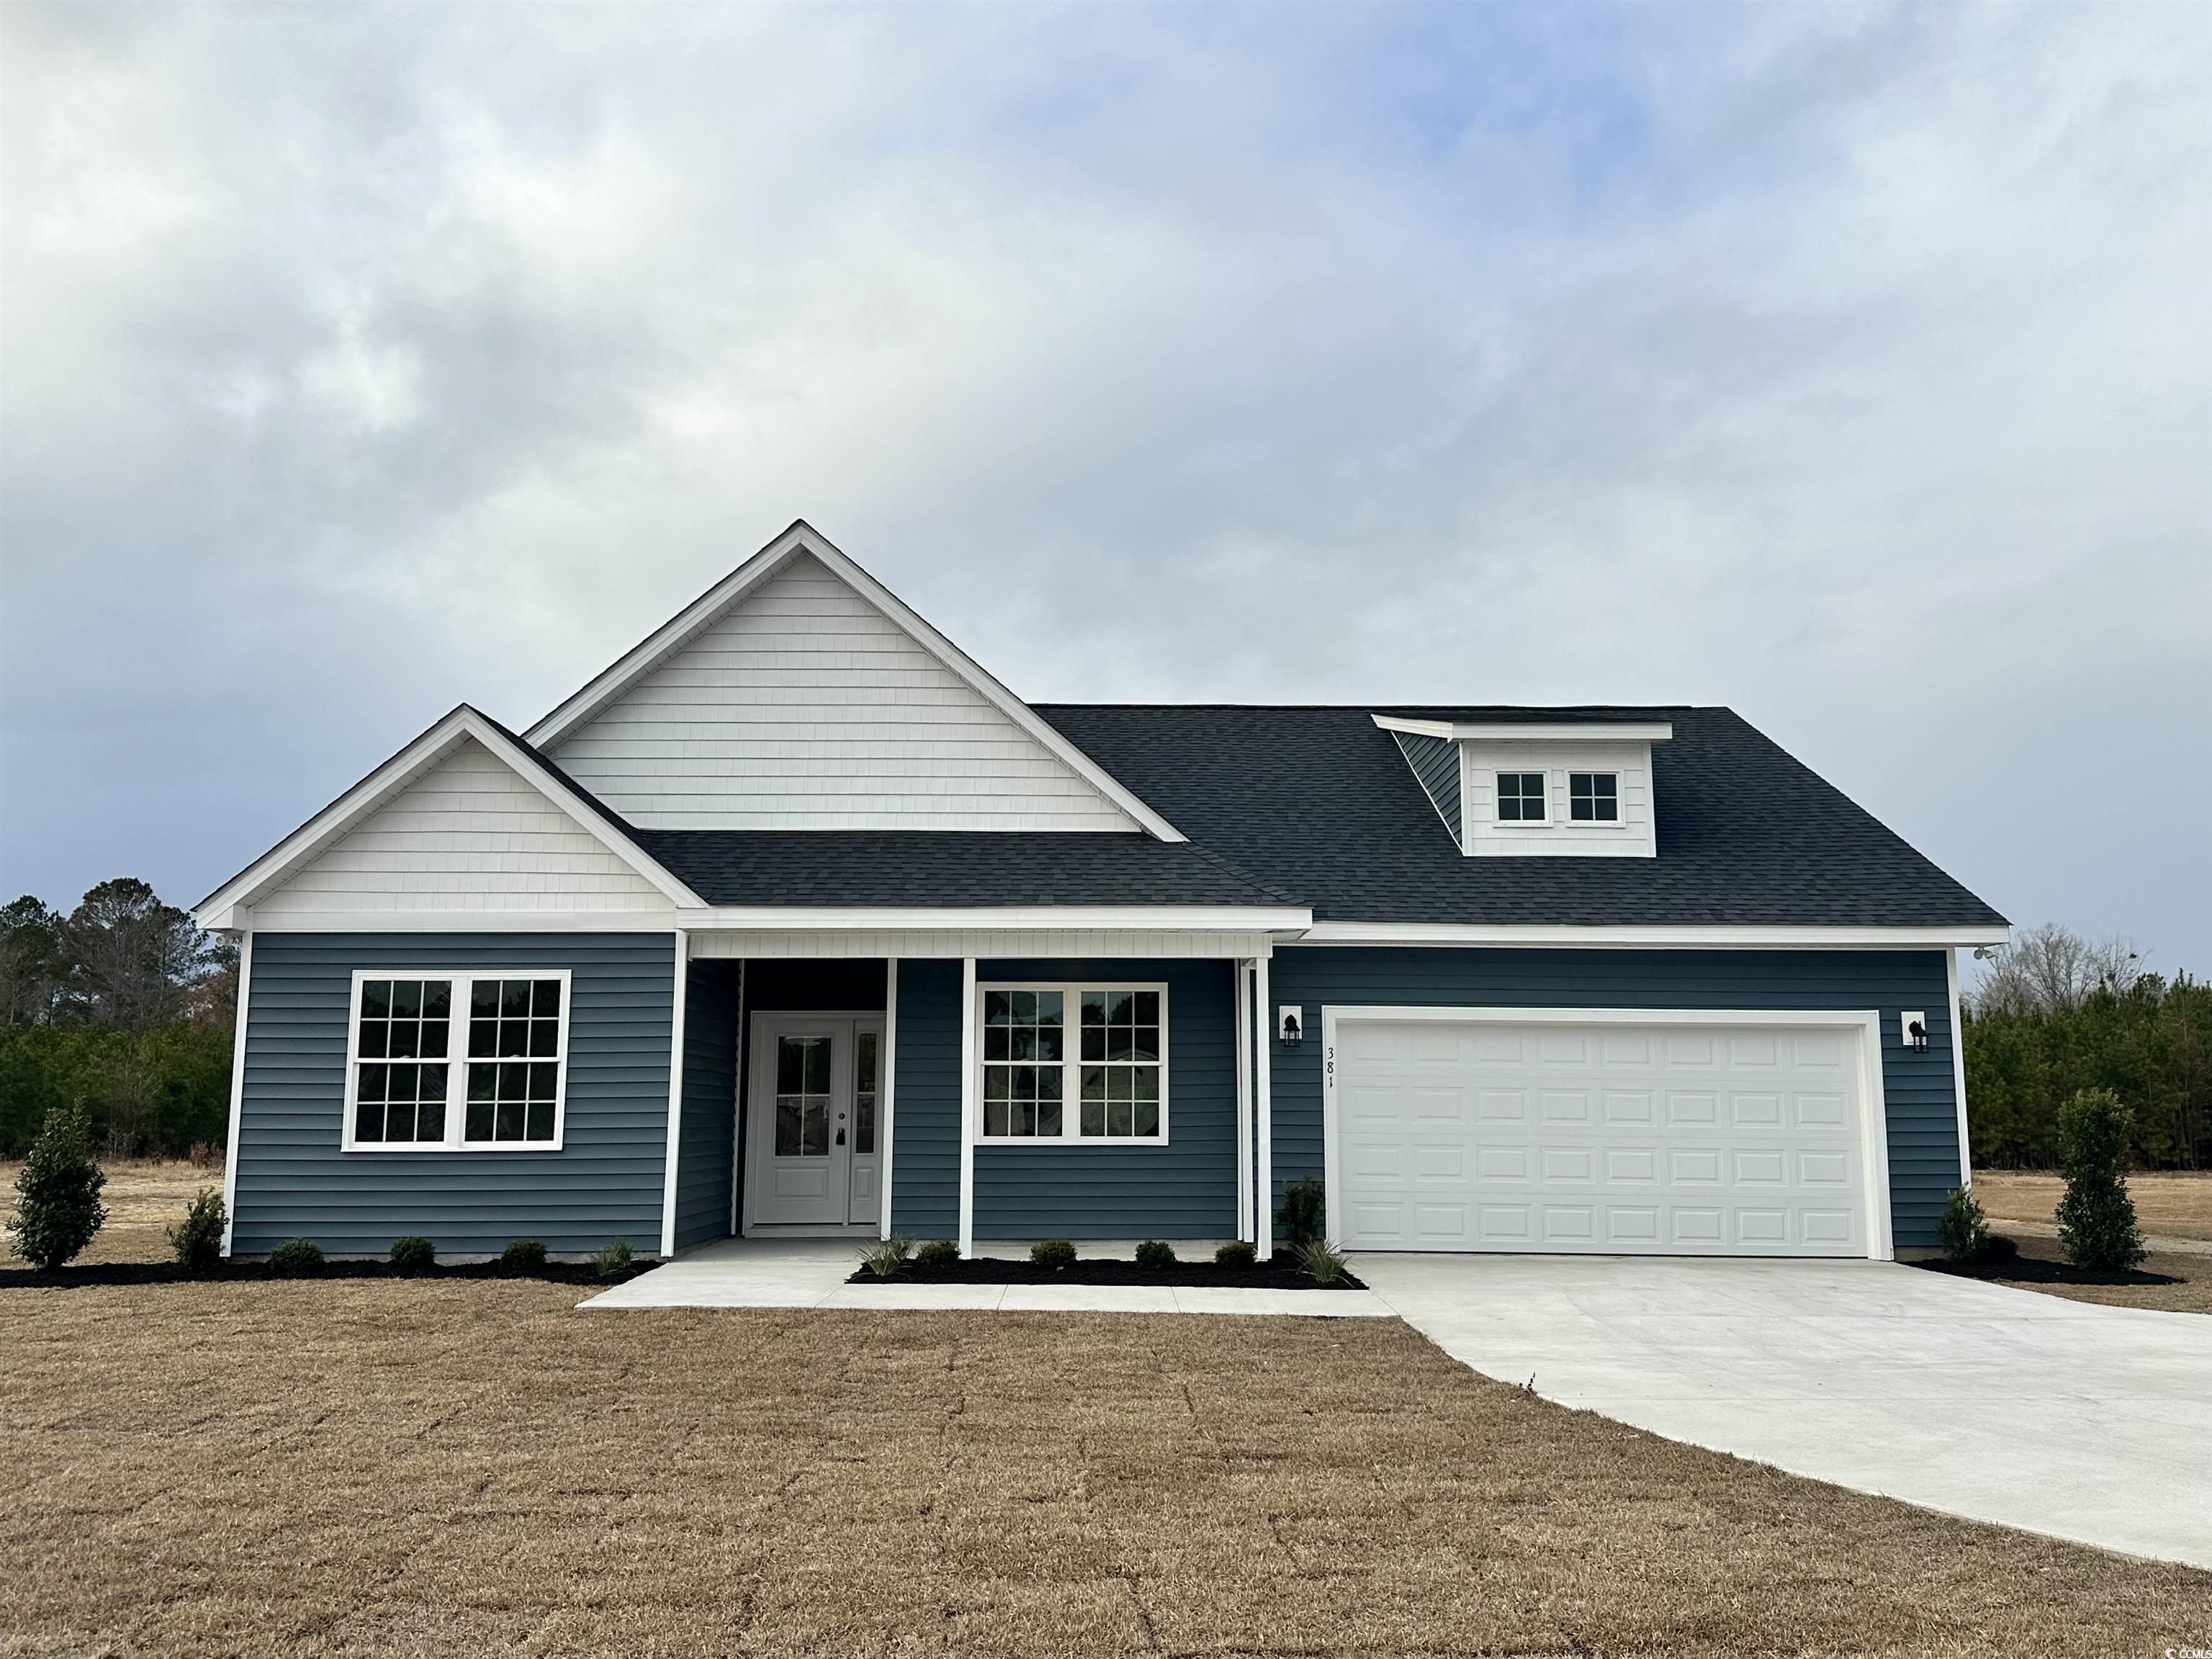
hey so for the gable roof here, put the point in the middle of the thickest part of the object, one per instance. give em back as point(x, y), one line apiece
point(802, 541)
point(419, 757)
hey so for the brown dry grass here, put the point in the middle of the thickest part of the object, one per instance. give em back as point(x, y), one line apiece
point(472, 1468)
point(2178, 1205)
point(144, 1199)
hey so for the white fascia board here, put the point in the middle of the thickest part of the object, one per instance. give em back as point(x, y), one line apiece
point(1048, 917)
point(226, 906)
point(803, 538)
point(1533, 731)
point(1418, 728)
point(1708, 938)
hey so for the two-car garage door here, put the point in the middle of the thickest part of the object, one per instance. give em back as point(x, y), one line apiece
point(1561, 1134)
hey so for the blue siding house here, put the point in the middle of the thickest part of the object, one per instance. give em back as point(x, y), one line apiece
point(796, 921)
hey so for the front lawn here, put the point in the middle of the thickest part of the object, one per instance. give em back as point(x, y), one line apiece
point(473, 1466)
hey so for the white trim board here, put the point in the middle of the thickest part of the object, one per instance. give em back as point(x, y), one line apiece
point(457, 1059)
point(682, 990)
point(1874, 1105)
point(1531, 730)
point(229, 907)
point(237, 1088)
point(1959, 1068)
point(802, 537)
point(1657, 938)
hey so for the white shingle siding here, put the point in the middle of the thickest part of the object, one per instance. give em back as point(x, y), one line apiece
point(468, 835)
point(806, 709)
point(1559, 836)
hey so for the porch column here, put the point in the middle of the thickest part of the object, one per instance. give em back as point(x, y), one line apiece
point(1264, 1217)
point(675, 1093)
point(886, 1086)
point(1242, 968)
point(967, 1113)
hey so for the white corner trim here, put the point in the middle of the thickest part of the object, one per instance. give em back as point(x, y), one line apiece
point(887, 1087)
point(217, 910)
point(1874, 1102)
point(1959, 1068)
point(1263, 1213)
point(682, 990)
point(803, 538)
point(237, 1089)
point(1641, 938)
point(967, 1112)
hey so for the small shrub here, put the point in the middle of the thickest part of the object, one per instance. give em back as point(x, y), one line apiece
point(1238, 1253)
point(887, 1258)
point(1154, 1254)
point(1304, 1212)
point(296, 1257)
point(1322, 1260)
point(938, 1255)
point(524, 1256)
point(2097, 1218)
point(58, 1207)
point(614, 1259)
point(1965, 1229)
point(1053, 1253)
point(198, 1239)
point(413, 1254)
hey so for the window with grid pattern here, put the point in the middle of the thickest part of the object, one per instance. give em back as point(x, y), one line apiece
point(1109, 1084)
point(1594, 797)
point(415, 1084)
point(1520, 796)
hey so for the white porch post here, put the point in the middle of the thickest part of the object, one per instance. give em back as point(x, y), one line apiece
point(967, 1112)
point(886, 1089)
point(1264, 1216)
point(679, 983)
point(1241, 970)
point(237, 1088)
point(1959, 1066)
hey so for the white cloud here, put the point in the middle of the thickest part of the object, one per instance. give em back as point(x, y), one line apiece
point(1850, 365)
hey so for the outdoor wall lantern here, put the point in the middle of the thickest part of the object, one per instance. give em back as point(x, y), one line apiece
point(1289, 1024)
point(1915, 1032)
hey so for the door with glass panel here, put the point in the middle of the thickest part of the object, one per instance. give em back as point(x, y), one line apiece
point(813, 1157)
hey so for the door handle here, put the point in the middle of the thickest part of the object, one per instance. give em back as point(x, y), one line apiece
point(841, 1137)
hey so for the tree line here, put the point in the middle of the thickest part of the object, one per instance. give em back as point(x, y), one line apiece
point(122, 1006)
point(2056, 1013)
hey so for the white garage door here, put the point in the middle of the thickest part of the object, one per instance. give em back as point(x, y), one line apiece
point(1670, 1140)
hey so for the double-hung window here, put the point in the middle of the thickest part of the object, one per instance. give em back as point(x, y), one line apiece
point(457, 1061)
point(1075, 1064)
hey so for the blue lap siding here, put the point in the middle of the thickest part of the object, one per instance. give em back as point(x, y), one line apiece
point(604, 1183)
point(706, 1161)
point(926, 1101)
point(1923, 1132)
point(1185, 1189)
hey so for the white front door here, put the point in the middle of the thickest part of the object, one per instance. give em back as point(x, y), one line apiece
point(1670, 1138)
point(811, 1153)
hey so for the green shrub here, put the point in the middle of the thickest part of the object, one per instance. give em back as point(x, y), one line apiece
point(1965, 1229)
point(1155, 1254)
point(524, 1256)
point(1304, 1213)
point(887, 1258)
point(937, 1255)
point(1321, 1259)
point(296, 1257)
point(614, 1259)
point(2097, 1218)
point(1053, 1253)
point(58, 1207)
point(1238, 1253)
point(198, 1239)
point(414, 1254)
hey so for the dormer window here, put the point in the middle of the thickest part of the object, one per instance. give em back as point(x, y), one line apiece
point(1520, 796)
point(1594, 797)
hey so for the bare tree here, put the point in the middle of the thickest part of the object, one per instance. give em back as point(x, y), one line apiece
point(2051, 968)
point(134, 956)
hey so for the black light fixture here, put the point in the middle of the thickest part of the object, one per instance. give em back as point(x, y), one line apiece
point(1915, 1036)
point(1287, 1025)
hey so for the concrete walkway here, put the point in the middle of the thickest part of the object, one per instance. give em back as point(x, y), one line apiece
point(741, 1273)
point(2065, 1418)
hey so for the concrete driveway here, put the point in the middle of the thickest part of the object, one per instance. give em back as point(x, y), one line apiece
point(2059, 1417)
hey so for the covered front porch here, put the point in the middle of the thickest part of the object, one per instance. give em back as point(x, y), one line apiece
point(1110, 1087)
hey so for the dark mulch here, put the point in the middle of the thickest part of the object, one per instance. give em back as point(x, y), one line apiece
point(989, 1270)
point(168, 1273)
point(2004, 1263)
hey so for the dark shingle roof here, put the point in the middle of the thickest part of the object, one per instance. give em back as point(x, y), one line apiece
point(1320, 803)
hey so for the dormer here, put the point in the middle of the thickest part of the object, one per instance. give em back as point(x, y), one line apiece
point(1537, 788)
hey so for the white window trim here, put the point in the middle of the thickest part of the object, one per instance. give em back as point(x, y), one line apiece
point(1619, 806)
point(1071, 1063)
point(1559, 793)
point(456, 1043)
point(1497, 776)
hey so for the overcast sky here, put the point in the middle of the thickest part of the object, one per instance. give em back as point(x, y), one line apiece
point(1852, 367)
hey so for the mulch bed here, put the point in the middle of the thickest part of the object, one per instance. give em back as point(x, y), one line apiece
point(168, 1273)
point(2005, 1266)
point(989, 1270)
